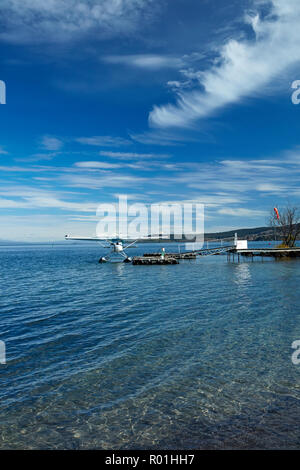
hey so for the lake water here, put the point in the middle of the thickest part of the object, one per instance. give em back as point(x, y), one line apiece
point(115, 356)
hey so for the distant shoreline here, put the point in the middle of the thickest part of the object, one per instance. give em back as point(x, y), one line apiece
point(257, 234)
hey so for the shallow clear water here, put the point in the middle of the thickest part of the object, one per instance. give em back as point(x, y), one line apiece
point(115, 356)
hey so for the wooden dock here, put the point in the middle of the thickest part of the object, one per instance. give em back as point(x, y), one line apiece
point(151, 260)
point(231, 251)
point(187, 255)
point(267, 252)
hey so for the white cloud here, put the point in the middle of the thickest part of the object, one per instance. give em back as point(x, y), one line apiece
point(146, 61)
point(46, 201)
point(276, 176)
point(51, 143)
point(17, 169)
point(132, 156)
point(44, 228)
point(53, 202)
point(245, 68)
point(241, 212)
point(30, 197)
point(38, 157)
point(31, 21)
point(228, 188)
point(99, 165)
point(103, 141)
point(160, 137)
point(109, 180)
point(154, 61)
point(12, 204)
point(270, 188)
point(2, 151)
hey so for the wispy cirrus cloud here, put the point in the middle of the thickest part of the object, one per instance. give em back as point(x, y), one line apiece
point(272, 177)
point(51, 143)
point(2, 151)
point(47, 202)
point(36, 157)
point(154, 61)
point(108, 180)
point(160, 137)
point(138, 165)
point(104, 141)
point(244, 69)
point(30, 197)
point(132, 156)
point(18, 169)
point(228, 188)
point(146, 61)
point(241, 212)
point(99, 165)
point(32, 21)
point(44, 228)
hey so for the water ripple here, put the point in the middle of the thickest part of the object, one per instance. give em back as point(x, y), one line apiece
point(196, 355)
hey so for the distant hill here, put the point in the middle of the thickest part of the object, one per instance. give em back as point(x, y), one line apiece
point(251, 234)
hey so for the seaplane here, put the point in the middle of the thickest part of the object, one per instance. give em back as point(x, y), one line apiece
point(114, 245)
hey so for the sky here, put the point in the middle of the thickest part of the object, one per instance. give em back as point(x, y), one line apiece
point(163, 101)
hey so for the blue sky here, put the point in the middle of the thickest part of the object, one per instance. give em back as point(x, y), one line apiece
point(165, 101)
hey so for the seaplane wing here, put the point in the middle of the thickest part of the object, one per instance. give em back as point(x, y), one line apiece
point(106, 239)
point(110, 241)
point(91, 239)
point(130, 244)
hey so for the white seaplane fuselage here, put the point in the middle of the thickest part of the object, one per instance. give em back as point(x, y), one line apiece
point(118, 247)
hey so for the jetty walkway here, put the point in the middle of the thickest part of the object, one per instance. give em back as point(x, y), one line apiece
point(233, 249)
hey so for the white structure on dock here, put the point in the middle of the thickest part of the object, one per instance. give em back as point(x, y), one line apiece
point(240, 244)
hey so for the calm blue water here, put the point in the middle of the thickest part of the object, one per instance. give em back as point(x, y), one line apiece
point(115, 356)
